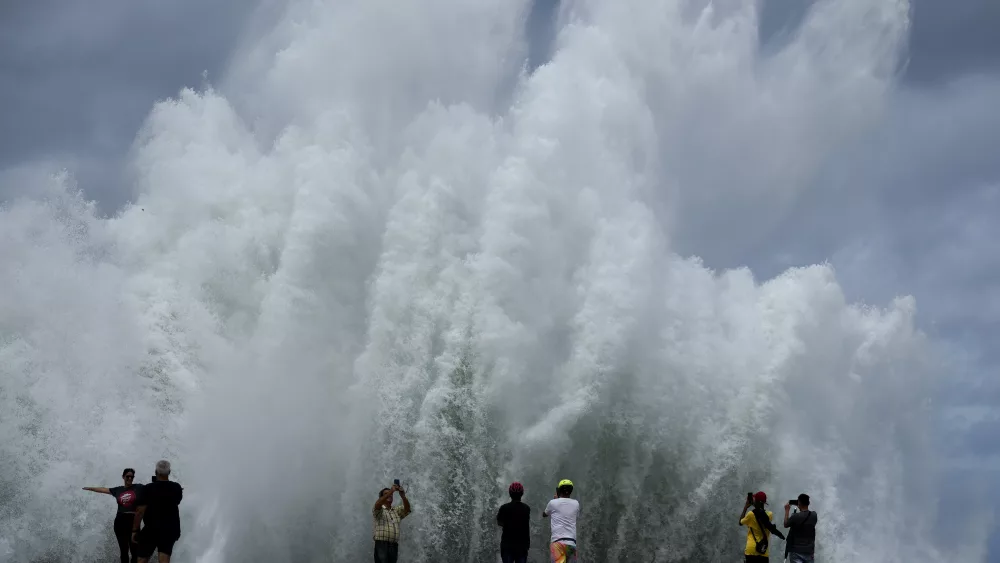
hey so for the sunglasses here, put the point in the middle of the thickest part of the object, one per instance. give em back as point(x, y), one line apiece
point(130, 476)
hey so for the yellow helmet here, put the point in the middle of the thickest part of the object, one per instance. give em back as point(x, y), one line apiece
point(565, 483)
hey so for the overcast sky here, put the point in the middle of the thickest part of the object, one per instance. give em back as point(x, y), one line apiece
point(919, 215)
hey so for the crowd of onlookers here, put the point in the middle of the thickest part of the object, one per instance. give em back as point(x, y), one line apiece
point(563, 511)
point(148, 520)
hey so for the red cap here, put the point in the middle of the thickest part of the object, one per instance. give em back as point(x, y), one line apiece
point(760, 496)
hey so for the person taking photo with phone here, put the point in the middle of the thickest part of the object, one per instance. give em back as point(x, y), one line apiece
point(563, 512)
point(385, 523)
point(759, 528)
point(801, 542)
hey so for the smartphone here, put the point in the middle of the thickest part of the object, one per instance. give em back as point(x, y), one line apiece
point(395, 482)
point(794, 502)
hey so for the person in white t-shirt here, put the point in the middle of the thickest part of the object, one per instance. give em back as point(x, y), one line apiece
point(563, 511)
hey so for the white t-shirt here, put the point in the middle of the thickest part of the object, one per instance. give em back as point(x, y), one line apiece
point(563, 512)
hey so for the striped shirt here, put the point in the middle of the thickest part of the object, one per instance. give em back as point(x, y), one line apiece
point(385, 523)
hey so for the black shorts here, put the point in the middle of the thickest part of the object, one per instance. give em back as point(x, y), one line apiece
point(150, 541)
point(756, 559)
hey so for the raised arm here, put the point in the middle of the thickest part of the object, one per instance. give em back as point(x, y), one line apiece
point(787, 507)
point(406, 501)
point(745, 507)
point(103, 490)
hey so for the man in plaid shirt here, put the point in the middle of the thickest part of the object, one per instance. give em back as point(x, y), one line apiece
point(386, 524)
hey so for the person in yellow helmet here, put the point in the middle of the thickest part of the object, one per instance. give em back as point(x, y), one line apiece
point(563, 511)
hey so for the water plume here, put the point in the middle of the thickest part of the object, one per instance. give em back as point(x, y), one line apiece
point(381, 248)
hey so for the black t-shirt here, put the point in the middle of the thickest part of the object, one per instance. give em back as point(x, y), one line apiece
point(514, 517)
point(802, 532)
point(161, 499)
point(126, 497)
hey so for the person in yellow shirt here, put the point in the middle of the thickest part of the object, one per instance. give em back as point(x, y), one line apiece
point(759, 529)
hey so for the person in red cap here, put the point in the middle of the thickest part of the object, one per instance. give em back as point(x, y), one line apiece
point(513, 518)
point(759, 528)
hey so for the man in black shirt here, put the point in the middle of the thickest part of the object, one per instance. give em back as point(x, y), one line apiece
point(801, 542)
point(158, 509)
point(513, 517)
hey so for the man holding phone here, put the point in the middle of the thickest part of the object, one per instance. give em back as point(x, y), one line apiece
point(563, 511)
point(386, 523)
point(801, 542)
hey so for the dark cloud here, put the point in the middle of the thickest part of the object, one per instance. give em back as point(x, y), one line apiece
point(947, 39)
point(540, 31)
point(78, 78)
point(954, 37)
point(982, 438)
point(917, 197)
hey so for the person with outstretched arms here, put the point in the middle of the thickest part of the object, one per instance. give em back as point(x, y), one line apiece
point(126, 497)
